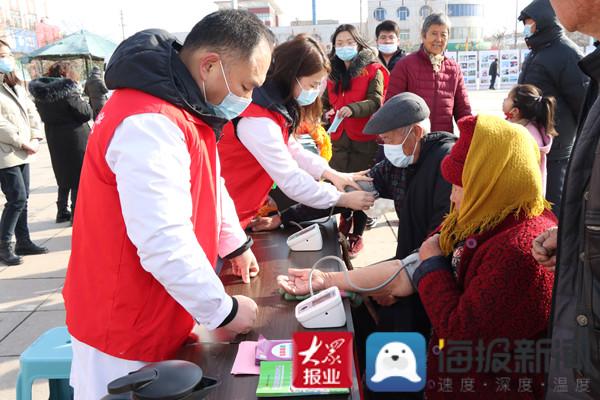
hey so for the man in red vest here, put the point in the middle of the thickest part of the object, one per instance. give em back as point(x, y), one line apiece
point(153, 213)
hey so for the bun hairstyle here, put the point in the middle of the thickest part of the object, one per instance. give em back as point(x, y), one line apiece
point(535, 107)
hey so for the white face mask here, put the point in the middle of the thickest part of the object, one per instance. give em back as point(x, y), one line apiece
point(232, 105)
point(395, 154)
point(387, 48)
point(307, 97)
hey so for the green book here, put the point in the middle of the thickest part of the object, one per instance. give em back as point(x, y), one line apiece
point(275, 380)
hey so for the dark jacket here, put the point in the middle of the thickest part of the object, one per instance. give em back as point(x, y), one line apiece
point(421, 196)
point(96, 90)
point(65, 115)
point(444, 92)
point(395, 58)
point(149, 61)
point(576, 303)
point(552, 66)
point(493, 71)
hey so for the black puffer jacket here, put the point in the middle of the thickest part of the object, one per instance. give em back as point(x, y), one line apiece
point(149, 61)
point(66, 116)
point(575, 320)
point(552, 67)
point(395, 58)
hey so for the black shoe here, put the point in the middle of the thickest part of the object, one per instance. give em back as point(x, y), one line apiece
point(63, 216)
point(7, 254)
point(30, 249)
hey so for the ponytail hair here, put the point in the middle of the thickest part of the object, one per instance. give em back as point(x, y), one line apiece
point(535, 107)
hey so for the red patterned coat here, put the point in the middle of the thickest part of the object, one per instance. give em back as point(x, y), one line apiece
point(498, 291)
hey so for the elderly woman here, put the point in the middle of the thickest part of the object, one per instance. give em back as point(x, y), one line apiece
point(433, 76)
point(478, 280)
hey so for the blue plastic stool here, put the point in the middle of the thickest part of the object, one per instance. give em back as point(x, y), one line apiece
point(49, 357)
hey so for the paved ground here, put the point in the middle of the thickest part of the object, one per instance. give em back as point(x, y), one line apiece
point(30, 300)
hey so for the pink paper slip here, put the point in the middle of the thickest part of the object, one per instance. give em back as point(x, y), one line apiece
point(244, 360)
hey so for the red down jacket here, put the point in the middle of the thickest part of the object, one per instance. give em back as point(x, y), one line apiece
point(444, 92)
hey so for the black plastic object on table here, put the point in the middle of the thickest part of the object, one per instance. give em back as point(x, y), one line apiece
point(166, 380)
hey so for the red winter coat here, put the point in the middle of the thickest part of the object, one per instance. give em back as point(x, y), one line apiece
point(444, 92)
point(501, 292)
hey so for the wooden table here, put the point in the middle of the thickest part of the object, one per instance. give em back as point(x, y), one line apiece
point(215, 352)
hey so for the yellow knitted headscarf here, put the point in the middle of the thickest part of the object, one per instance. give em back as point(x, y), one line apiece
point(501, 176)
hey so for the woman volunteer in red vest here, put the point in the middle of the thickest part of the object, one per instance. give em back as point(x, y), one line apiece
point(260, 149)
point(355, 90)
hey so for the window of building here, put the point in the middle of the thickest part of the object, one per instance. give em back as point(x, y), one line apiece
point(465, 10)
point(380, 14)
point(264, 17)
point(425, 11)
point(464, 33)
point(403, 13)
point(404, 34)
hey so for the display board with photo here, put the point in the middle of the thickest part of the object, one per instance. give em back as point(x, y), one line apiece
point(509, 67)
point(467, 60)
point(453, 55)
point(485, 60)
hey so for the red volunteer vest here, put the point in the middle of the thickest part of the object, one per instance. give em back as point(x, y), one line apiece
point(246, 180)
point(358, 92)
point(112, 303)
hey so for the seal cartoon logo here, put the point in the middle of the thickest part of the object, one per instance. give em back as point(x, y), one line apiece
point(396, 362)
point(396, 359)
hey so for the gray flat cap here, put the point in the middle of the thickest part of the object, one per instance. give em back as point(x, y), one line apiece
point(401, 110)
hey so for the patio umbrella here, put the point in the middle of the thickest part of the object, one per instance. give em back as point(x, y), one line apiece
point(82, 44)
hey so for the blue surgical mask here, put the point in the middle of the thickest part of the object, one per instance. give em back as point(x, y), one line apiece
point(7, 64)
point(395, 154)
point(527, 31)
point(307, 97)
point(231, 106)
point(346, 53)
point(387, 48)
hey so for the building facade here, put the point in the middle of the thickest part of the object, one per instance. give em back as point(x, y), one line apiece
point(467, 18)
point(322, 31)
point(21, 23)
point(268, 11)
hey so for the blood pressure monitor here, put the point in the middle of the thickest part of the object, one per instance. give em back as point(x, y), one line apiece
point(323, 310)
point(308, 239)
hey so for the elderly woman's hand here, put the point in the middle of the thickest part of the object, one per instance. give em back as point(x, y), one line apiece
point(544, 247)
point(296, 282)
point(430, 248)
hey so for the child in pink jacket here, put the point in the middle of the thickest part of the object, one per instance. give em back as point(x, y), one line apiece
point(525, 105)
